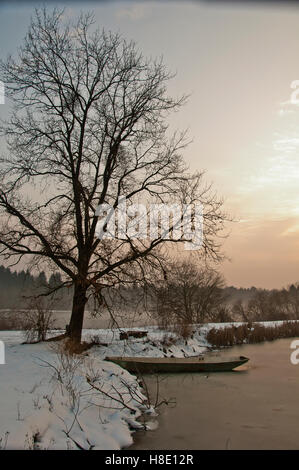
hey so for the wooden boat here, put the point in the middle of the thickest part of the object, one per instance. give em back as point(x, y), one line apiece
point(177, 364)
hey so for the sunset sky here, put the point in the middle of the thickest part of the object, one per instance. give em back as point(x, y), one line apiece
point(237, 62)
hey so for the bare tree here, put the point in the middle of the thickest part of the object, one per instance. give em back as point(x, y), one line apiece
point(37, 320)
point(189, 294)
point(269, 305)
point(88, 127)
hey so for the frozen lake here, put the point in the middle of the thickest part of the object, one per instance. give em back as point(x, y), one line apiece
point(100, 320)
point(254, 407)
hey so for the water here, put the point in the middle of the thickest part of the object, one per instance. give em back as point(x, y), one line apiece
point(61, 318)
point(254, 407)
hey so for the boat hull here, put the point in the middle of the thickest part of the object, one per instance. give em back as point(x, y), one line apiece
point(176, 365)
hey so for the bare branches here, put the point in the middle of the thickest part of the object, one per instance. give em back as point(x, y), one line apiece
point(190, 294)
point(88, 126)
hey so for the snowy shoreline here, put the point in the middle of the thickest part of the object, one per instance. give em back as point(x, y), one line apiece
point(38, 412)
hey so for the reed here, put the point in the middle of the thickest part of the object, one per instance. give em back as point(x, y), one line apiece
point(251, 333)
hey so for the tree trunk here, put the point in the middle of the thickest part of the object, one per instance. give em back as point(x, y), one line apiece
point(76, 323)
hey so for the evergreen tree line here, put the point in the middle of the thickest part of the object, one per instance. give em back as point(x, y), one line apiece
point(249, 304)
point(16, 287)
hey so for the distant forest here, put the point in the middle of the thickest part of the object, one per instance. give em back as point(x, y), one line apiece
point(16, 287)
point(243, 304)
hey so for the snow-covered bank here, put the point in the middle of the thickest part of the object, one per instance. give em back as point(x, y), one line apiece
point(37, 411)
point(92, 403)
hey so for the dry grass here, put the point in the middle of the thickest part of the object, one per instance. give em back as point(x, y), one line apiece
point(251, 333)
point(168, 340)
point(181, 329)
point(72, 347)
point(11, 320)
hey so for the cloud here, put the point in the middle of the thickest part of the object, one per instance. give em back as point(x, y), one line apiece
point(134, 13)
point(264, 252)
point(283, 112)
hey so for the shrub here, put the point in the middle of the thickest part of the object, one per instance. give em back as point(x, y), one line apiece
point(251, 333)
point(37, 322)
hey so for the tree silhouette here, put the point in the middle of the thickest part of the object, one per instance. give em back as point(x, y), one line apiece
point(88, 127)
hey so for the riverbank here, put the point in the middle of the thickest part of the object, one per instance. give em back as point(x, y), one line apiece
point(49, 400)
